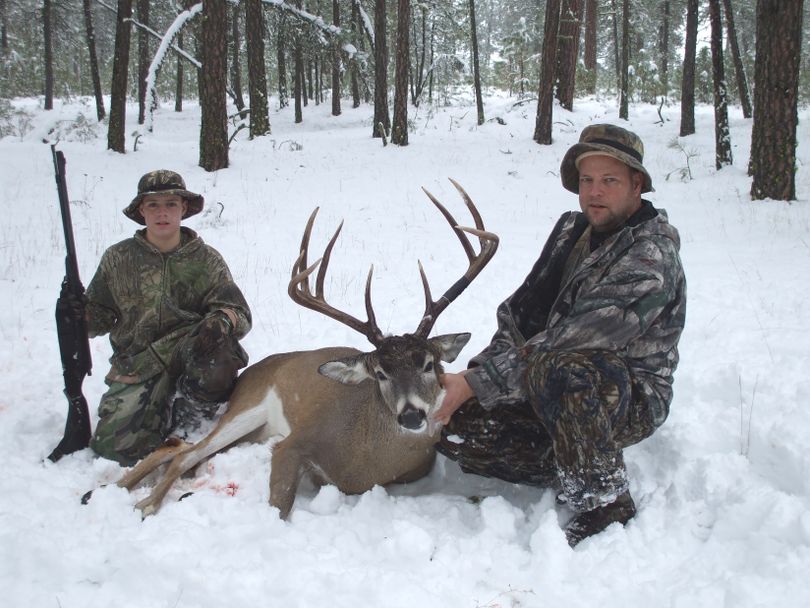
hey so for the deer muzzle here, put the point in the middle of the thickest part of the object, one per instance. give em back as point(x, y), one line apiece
point(412, 418)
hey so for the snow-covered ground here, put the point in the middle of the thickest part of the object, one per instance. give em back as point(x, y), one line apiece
point(723, 488)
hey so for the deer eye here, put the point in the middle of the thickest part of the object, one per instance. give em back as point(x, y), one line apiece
point(381, 376)
point(428, 367)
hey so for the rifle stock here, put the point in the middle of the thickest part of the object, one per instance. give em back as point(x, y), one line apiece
point(74, 343)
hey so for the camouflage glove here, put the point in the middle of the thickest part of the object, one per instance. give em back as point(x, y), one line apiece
point(214, 326)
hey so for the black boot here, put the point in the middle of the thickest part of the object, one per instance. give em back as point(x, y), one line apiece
point(593, 522)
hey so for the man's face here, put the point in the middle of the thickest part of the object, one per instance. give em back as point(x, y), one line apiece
point(162, 214)
point(609, 192)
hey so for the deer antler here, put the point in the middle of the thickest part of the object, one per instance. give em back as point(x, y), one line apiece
point(489, 245)
point(301, 293)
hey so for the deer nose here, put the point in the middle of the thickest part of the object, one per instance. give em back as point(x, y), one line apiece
point(411, 418)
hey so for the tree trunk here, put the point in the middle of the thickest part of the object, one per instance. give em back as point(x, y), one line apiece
point(776, 86)
point(617, 59)
point(479, 101)
point(178, 91)
point(688, 77)
point(144, 59)
point(399, 127)
point(591, 10)
point(336, 62)
point(3, 29)
point(47, 33)
point(213, 78)
point(298, 82)
point(624, 91)
point(257, 75)
point(739, 69)
point(91, 47)
point(545, 95)
point(568, 52)
point(663, 49)
point(382, 117)
point(235, 68)
point(357, 36)
point(281, 60)
point(418, 71)
point(118, 90)
point(722, 134)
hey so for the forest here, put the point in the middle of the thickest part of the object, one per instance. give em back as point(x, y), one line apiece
point(237, 58)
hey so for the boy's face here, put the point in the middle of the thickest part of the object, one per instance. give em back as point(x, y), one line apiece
point(162, 214)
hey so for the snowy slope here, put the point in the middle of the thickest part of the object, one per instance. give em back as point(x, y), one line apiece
point(723, 488)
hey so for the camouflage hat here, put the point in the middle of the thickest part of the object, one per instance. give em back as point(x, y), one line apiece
point(610, 140)
point(163, 181)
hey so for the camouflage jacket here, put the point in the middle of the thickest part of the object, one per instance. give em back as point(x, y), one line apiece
point(148, 301)
point(628, 296)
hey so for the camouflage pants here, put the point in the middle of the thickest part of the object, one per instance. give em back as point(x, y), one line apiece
point(134, 419)
point(569, 434)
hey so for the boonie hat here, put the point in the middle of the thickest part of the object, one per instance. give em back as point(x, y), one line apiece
point(610, 140)
point(163, 181)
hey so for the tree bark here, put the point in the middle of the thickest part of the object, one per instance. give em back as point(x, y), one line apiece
point(281, 61)
point(589, 59)
point(257, 75)
point(336, 61)
point(545, 94)
point(144, 59)
point(47, 33)
point(624, 90)
point(663, 49)
point(399, 127)
point(479, 100)
point(382, 117)
point(235, 67)
point(213, 81)
point(91, 47)
point(739, 69)
point(688, 77)
point(722, 134)
point(357, 36)
point(118, 90)
point(298, 83)
point(3, 28)
point(776, 86)
point(568, 52)
point(178, 91)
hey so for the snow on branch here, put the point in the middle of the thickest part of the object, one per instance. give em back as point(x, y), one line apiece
point(315, 20)
point(165, 43)
point(152, 32)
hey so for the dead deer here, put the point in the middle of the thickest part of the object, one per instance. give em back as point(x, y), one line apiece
point(342, 417)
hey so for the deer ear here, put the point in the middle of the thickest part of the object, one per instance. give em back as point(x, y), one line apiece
point(351, 370)
point(450, 345)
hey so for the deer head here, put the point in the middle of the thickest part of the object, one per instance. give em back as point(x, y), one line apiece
point(404, 368)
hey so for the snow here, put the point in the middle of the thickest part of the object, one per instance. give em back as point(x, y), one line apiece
point(723, 488)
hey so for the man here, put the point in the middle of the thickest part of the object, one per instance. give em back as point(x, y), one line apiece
point(581, 364)
point(175, 317)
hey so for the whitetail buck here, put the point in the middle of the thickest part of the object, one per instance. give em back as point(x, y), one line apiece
point(343, 417)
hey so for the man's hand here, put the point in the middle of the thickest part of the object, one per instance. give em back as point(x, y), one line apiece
point(458, 391)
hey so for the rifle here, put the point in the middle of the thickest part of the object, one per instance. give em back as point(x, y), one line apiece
point(74, 343)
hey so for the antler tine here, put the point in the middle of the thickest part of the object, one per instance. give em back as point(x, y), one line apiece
point(465, 243)
point(300, 292)
point(301, 263)
point(327, 255)
point(489, 245)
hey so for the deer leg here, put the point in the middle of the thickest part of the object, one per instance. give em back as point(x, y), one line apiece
point(160, 456)
point(226, 433)
point(285, 473)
